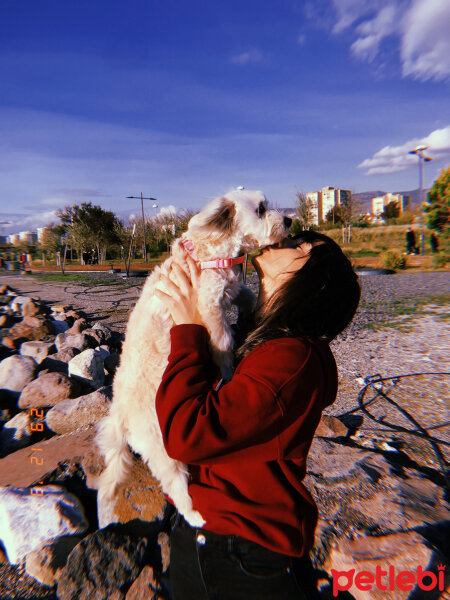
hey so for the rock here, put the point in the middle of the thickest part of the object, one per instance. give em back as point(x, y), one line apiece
point(32, 328)
point(4, 322)
point(331, 427)
point(102, 565)
point(66, 354)
point(80, 341)
point(78, 326)
point(36, 349)
point(16, 372)
point(29, 518)
point(70, 415)
point(404, 551)
point(16, 433)
point(52, 365)
point(327, 459)
point(76, 314)
point(46, 564)
point(61, 308)
point(88, 367)
point(49, 389)
point(13, 341)
point(60, 317)
point(30, 465)
point(146, 587)
point(105, 332)
point(139, 497)
point(32, 308)
point(95, 337)
point(18, 302)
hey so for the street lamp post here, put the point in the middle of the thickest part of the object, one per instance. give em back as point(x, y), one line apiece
point(419, 151)
point(141, 197)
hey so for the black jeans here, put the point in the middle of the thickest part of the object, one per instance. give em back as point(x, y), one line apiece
point(207, 566)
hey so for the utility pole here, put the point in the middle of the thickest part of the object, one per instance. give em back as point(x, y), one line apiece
point(144, 246)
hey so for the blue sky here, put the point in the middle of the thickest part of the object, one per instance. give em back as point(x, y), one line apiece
point(186, 100)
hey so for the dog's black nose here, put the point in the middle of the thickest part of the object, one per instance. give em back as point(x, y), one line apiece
point(287, 222)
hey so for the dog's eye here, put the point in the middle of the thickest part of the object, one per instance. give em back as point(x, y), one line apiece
point(261, 209)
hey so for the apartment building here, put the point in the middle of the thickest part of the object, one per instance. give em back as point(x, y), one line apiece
point(401, 200)
point(315, 199)
point(326, 199)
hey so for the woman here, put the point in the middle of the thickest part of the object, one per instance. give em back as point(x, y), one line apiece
point(246, 444)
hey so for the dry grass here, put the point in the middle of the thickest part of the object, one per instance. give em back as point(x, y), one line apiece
point(375, 241)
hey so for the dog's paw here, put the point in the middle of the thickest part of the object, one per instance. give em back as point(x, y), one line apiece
point(194, 518)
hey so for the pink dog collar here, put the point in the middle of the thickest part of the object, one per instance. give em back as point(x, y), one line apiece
point(218, 263)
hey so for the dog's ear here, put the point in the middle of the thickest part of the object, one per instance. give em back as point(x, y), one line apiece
point(222, 217)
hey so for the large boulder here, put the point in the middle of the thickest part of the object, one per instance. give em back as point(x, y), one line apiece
point(31, 517)
point(103, 565)
point(70, 415)
point(80, 341)
point(78, 326)
point(37, 350)
point(16, 433)
point(16, 372)
point(46, 564)
point(146, 587)
point(385, 555)
point(30, 465)
point(47, 390)
point(88, 366)
point(33, 328)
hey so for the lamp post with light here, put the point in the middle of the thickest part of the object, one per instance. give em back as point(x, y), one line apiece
point(141, 197)
point(419, 152)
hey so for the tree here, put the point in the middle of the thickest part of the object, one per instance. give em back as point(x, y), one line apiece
point(90, 227)
point(51, 239)
point(305, 210)
point(334, 215)
point(437, 206)
point(391, 211)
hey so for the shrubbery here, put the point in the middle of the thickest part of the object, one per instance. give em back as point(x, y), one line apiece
point(392, 260)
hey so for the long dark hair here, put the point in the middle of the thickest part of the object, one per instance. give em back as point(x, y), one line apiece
point(318, 301)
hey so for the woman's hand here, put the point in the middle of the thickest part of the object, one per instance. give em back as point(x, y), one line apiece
point(180, 292)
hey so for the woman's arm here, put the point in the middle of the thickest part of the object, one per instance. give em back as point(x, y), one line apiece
point(199, 424)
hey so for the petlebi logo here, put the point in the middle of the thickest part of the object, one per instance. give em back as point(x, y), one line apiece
point(388, 580)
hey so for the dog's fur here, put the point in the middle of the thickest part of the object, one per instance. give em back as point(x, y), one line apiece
point(235, 223)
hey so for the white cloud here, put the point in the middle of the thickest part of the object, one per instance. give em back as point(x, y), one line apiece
point(421, 28)
point(30, 222)
point(373, 31)
point(392, 159)
point(426, 40)
point(252, 56)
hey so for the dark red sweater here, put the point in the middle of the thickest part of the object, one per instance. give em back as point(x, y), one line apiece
point(247, 443)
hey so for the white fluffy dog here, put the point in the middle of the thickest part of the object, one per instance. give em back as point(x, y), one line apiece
point(237, 222)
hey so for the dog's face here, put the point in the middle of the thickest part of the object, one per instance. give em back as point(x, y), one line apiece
point(241, 220)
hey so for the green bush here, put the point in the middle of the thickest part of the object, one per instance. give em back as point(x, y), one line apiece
point(392, 260)
point(440, 260)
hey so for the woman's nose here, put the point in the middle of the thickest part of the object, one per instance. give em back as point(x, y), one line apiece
point(287, 222)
